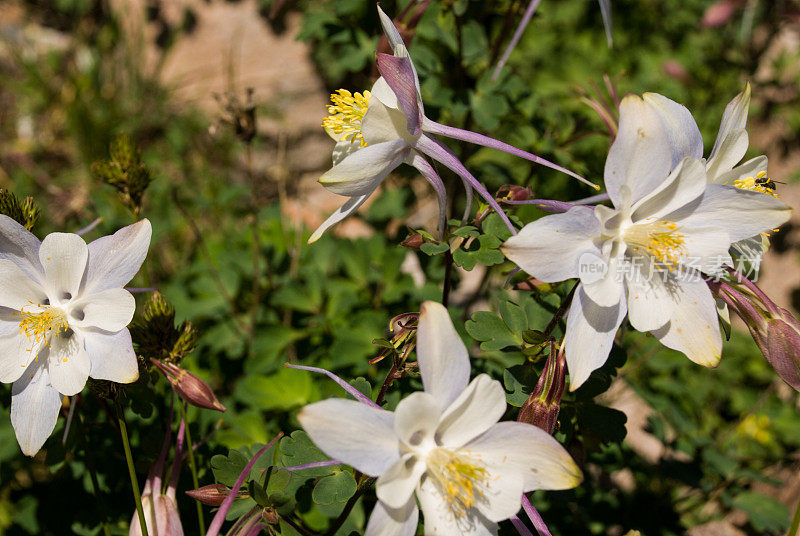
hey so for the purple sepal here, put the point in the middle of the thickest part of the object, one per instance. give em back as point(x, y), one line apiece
point(352, 391)
point(425, 167)
point(479, 139)
point(522, 530)
point(399, 74)
point(534, 516)
point(441, 153)
point(219, 518)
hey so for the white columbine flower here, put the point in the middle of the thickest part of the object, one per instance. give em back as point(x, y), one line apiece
point(443, 444)
point(63, 313)
point(643, 257)
point(378, 130)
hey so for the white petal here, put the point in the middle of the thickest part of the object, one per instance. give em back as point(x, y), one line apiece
point(115, 259)
point(693, 328)
point(361, 172)
point(109, 310)
point(731, 152)
point(523, 449)
point(440, 520)
point(503, 494)
point(751, 168)
point(17, 289)
point(590, 335)
point(111, 355)
point(605, 291)
point(386, 521)
point(706, 248)
point(442, 357)
point(68, 363)
point(732, 139)
point(416, 419)
point(550, 248)
point(63, 256)
point(396, 486)
point(641, 156)
point(344, 148)
point(359, 435)
point(382, 123)
point(684, 135)
point(15, 356)
point(18, 245)
point(341, 213)
point(685, 183)
point(742, 213)
point(34, 408)
point(479, 407)
point(650, 301)
point(381, 91)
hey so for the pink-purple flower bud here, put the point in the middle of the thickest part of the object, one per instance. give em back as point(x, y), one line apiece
point(212, 495)
point(189, 387)
point(542, 407)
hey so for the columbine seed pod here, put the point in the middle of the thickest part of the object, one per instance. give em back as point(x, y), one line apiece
point(189, 387)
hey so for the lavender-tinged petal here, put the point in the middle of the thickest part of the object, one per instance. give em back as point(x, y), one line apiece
point(355, 393)
point(479, 139)
point(548, 205)
point(313, 465)
point(399, 74)
point(219, 518)
point(441, 153)
point(425, 167)
point(526, 18)
point(534, 516)
point(522, 530)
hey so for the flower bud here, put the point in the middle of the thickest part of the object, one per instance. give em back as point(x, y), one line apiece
point(413, 241)
point(781, 347)
point(189, 387)
point(513, 192)
point(719, 13)
point(542, 407)
point(212, 495)
point(161, 516)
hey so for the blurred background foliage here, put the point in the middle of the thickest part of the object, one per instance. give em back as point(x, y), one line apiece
point(705, 448)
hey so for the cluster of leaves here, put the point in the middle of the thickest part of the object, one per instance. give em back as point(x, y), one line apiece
point(26, 212)
point(125, 172)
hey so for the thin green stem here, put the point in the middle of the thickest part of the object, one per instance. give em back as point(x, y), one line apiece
point(193, 466)
point(795, 528)
point(137, 496)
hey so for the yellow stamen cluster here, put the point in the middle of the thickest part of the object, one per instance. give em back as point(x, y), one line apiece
point(759, 183)
point(37, 326)
point(661, 240)
point(461, 479)
point(346, 113)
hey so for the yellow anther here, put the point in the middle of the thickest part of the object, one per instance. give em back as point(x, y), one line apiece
point(37, 326)
point(346, 112)
point(661, 240)
point(461, 479)
point(760, 183)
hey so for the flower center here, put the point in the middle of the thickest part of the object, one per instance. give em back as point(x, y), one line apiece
point(346, 112)
point(461, 479)
point(661, 240)
point(37, 326)
point(759, 183)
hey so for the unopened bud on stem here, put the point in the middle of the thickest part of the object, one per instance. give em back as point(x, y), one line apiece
point(542, 407)
point(189, 387)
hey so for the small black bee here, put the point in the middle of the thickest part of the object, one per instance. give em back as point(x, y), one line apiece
point(765, 182)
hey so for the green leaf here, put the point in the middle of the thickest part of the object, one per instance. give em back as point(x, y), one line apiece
point(298, 449)
point(765, 513)
point(430, 248)
point(283, 390)
point(338, 487)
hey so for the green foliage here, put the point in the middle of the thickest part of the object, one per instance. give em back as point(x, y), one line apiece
point(125, 172)
point(26, 213)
